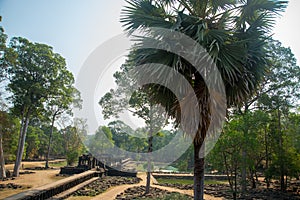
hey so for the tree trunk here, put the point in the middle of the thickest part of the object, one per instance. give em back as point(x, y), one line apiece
point(243, 171)
point(252, 174)
point(2, 161)
point(21, 145)
point(228, 174)
point(198, 171)
point(149, 163)
point(235, 183)
point(282, 184)
point(49, 142)
point(244, 150)
point(256, 176)
point(150, 149)
point(267, 157)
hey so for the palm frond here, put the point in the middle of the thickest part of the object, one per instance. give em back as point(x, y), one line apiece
point(233, 33)
point(141, 14)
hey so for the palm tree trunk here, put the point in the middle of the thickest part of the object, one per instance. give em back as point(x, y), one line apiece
point(2, 161)
point(49, 142)
point(21, 144)
point(150, 149)
point(198, 171)
point(149, 162)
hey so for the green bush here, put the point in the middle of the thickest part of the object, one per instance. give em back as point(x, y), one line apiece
point(72, 157)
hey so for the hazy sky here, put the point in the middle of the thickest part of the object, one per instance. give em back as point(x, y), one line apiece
point(73, 27)
point(76, 27)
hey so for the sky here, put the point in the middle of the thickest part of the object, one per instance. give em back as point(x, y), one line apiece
point(74, 28)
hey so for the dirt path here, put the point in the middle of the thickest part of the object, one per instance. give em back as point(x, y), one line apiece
point(38, 178)
point(29, 181)
point(32, 164)
point(112, 193)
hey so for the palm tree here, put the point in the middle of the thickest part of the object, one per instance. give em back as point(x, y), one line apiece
point(233, 32)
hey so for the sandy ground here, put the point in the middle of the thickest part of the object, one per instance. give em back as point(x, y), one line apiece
point(29, 181)
point(32, 164)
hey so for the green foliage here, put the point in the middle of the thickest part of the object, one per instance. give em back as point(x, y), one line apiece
point(185, 162)
point(267, 123)
point(33, 76)
point(10, 127)
point(72, 157)
point(58, 164)
point(33, 143)
point(3, 38)
point(38, 81)
point(136, 140)
point(267, 149)
point(57, 144)
point(73, 145)
point(7, 56)
point(285, 147)
point(230, 32)
point(102, 140)
point(178, 181)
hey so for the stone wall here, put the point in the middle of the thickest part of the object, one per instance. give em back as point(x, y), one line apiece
point(52, 189)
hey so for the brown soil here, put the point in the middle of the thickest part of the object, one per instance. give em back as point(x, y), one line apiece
point(29, 181)
point(33, 164)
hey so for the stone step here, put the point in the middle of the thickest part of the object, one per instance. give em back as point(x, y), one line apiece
point(70, 191)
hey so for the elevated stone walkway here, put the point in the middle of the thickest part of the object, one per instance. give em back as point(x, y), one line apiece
point(52, 189)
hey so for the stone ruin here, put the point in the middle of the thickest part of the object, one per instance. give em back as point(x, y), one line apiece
point(87, 162)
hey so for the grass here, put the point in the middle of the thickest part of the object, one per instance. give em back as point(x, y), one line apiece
point(215, 182)
point(168, 197)
point(188, 181)
point(58, 164)
point(172, 181)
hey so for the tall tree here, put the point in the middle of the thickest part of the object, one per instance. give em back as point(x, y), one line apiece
point(281, 94)
point(61, 102)
point(6, 58)
point(4, 123)
point(3, 38)
point(281, 81)
point(96, 145)
point(232, 32)
point(33, 79)
point(73, 136)
point(226, 155)
point(126, 97)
